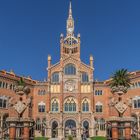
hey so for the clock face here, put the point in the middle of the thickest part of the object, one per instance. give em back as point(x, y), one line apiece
point(69, 85)
point(70, 30)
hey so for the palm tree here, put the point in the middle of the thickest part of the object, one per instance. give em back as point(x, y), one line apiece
point(120, 81)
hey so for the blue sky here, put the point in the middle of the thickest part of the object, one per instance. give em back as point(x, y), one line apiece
point(30, 30)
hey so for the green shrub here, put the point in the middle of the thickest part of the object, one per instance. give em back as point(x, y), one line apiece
point(70, 137)
point(98, 138)
point(41, 138)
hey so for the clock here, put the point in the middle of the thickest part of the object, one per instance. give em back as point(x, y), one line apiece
point(69, 85)
point(70, 30)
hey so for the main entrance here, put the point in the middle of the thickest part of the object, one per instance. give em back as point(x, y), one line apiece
point(70, 128)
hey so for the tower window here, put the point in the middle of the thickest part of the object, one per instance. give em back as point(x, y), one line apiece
point(55, 77)
point(70, 69)
point(85, 78)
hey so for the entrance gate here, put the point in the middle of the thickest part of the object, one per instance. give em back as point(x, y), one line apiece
point(70, 128)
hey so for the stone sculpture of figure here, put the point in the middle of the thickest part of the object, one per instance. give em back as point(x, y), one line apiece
point(129, 102)
point(112, 101)
point(10, 101)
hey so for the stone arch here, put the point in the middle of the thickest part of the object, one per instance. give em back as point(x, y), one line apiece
point(71, 118)
point(54, 119)
point(70, 97)
point(70, 69)
point(70, 126)
point(54, 129)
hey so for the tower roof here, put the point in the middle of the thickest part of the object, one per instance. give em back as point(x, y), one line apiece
point(70, 21)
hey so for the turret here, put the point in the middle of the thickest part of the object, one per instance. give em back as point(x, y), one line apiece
point(91, 61)
point(49, 61)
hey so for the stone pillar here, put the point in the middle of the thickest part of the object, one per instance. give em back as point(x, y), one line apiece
point(26, 131)
point(49, 132)
point(115, 131)
point(127, 131)
point(12, 131)
point(78, 133)
point(60, 133)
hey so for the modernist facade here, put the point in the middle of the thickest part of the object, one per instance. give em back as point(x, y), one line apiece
point(70, 101)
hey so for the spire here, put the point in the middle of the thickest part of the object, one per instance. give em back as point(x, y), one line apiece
point(70, 21)
point(70, 11)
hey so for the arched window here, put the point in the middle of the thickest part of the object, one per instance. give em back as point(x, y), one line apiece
point(55, 77)
point(85, 78)
point(55, 105)
point(85, 106)
point(38, 124)
point(70, 105)
point(41, 107)
point(70, 69)
point(99, 107)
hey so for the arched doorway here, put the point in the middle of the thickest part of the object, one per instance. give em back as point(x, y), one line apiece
point(54, 129)
point(70, 128)
point(85, 129)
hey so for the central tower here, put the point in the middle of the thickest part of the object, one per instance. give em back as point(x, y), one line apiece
point(70, 83)
point(70, 45)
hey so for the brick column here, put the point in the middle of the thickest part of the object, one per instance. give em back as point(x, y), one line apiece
point(127, 131)
point(12, 131)
point(115, 131)
point(26, 131)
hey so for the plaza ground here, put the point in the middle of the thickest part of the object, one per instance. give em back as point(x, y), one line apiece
point(93, 138)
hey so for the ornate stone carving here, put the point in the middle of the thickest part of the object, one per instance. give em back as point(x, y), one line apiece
point(112, 101)
point(69, 85)
point(20, 107)
point(120, 90)
point(121, 107)
point(20, 90)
